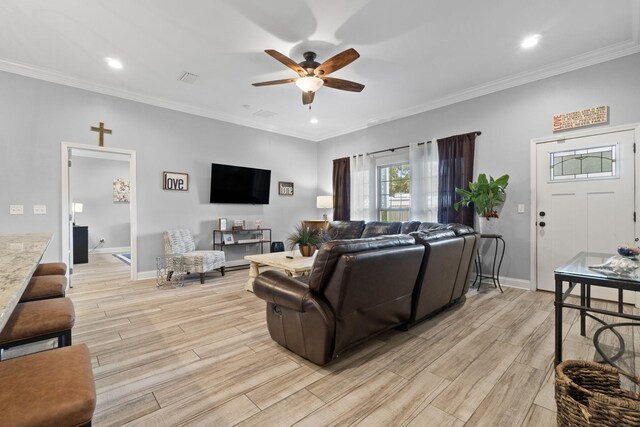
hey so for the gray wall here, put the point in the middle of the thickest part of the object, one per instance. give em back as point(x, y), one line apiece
point(508, 120)
point(35, 116)
point(91, 183)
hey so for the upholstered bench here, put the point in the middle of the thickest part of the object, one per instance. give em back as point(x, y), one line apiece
point(51, 268)
point(38, 321)
point(45, 287)
point(51, 388)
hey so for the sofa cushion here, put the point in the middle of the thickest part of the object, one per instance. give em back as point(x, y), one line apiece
point(338, 230)
point(425, 237)
point(330, 252)
point(428, 226)
point(380, 228)
point(460, 229)
point(409, 227)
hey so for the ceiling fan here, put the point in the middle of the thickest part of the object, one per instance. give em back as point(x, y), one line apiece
point(314, 75)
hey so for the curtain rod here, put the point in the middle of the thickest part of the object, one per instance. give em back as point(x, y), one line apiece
point(478, 133)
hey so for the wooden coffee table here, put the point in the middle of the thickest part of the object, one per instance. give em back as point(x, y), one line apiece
point(298, 266)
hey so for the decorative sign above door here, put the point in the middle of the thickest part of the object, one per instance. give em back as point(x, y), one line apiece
point(578, 119)
point(175, 181)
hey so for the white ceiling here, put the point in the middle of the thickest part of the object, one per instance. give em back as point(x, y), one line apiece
point(416, 55)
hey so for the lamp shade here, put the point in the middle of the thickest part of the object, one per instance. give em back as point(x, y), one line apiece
point(324, 202)
point(309, 84)
point(77, 207)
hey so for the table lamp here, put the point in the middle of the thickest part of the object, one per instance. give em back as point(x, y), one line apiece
point(324, 202)
point(76, 207)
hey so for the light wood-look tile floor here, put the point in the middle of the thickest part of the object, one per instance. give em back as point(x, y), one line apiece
point(201, 355)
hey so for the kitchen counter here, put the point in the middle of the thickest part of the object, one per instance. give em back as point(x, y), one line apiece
point(20, 254)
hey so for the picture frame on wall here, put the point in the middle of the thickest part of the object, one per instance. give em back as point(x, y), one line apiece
point(222, 224)
point(227, 238)
point(175, 181)
point(285, 188)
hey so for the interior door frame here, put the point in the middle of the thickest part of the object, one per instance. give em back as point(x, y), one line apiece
point(534, 185)
point(66, 203)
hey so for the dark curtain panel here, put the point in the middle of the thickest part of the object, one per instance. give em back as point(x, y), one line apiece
point(455, 171)
point(341, 190)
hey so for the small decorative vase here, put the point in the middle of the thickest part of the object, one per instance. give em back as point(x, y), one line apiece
point(488, 226)
point(307, 250)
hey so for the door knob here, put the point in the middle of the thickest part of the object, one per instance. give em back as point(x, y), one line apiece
point(542, 213)
point(542, 223)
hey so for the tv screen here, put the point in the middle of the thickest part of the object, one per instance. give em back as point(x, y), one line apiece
point(237, 184)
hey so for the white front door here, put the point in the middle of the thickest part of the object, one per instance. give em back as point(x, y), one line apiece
point(585, 200)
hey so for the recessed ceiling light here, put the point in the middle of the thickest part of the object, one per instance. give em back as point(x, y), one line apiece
point(113, 63)
point(531, 41)
point(313, 121)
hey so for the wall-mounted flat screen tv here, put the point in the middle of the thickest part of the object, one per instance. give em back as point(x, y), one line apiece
point(237, 184)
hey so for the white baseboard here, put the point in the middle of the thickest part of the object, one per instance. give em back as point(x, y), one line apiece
point(512, 282)
point(146, 275)
point(122, 249)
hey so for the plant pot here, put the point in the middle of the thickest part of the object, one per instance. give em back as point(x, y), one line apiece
point(307, 250)
point(488, 226)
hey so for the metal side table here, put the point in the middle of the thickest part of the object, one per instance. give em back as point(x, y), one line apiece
point(495, 272)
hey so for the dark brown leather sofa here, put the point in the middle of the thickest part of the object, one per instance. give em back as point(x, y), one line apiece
point(357, 288)
point(360, 287)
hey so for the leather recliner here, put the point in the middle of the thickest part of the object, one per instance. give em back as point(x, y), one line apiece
point(445, 270)
point(357, 289)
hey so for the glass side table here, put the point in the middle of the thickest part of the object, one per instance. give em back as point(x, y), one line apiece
point(170, 270)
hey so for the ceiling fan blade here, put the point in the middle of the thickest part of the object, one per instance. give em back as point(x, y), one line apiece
point(287, 61)
point(335, 63)
point(307, 97)
point(342, 84)
point(274, 82)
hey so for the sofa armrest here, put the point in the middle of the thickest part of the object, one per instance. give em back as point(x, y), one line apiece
point(276, 287)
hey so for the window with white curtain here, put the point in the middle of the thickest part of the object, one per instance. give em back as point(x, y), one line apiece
point(398, 186)
point(423, 160)
point(394, 200)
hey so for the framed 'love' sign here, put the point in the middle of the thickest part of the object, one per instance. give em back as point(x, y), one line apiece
point(175, 181)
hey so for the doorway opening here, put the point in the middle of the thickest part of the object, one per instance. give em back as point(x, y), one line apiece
point(99, 209)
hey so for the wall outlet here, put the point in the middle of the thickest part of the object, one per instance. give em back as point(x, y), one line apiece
point(16, 209)
point(39, 209)
point(521, 208)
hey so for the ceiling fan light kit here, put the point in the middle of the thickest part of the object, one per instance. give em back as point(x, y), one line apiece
point(313, 75)
point(309, 84)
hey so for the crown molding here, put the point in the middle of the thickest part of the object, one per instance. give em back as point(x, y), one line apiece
point(581, 61)
point(52, 76)
point(571, 64)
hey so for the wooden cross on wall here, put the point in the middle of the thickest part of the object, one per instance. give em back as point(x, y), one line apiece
point(102, 130)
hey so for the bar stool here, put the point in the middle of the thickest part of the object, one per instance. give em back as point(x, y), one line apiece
point(53, 387)
point(38, 321)
point(45, 287)
point(51, 268)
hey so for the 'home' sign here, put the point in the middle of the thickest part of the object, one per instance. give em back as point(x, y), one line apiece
point(175, 181)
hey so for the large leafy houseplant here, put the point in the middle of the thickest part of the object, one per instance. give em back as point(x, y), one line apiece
point(307, 239)
point(485, 194)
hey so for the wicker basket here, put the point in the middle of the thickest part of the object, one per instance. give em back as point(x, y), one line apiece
point(589, 394)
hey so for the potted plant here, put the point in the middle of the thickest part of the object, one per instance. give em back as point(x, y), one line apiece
point(306, 238)
point(486, 195)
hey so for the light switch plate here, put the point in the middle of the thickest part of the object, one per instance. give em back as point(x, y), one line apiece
point(39, 209)
point(16, 209)
point(521, 208)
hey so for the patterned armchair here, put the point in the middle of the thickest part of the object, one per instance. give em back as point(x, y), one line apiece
point(180, 242)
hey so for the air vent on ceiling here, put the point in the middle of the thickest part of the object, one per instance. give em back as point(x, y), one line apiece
point(264, 113)
point(188, 77)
